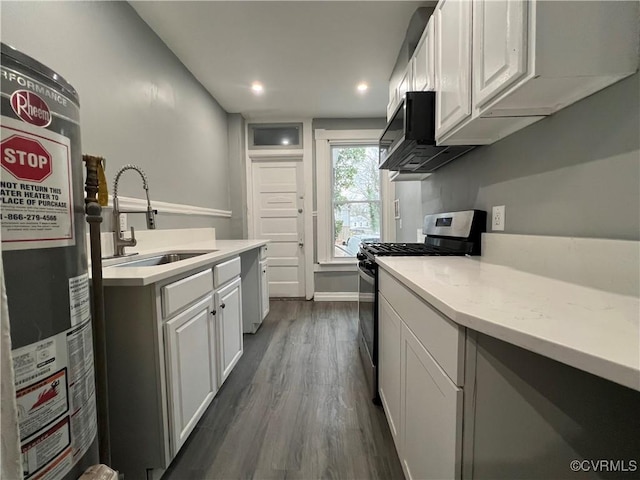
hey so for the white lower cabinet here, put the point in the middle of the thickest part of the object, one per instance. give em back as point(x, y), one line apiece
point(422, 403)
point(389, 325)
point(170, 346)
point(431, 423)
point(190, 349)
point(228, 313)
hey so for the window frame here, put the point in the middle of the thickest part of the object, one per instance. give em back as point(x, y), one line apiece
point(325, 140)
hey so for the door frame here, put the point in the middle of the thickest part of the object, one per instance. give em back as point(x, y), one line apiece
point(303, 155)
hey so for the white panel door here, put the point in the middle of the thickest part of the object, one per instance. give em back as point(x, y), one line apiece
point(453, 63)
point(278, 198)
point(191, 368)
point(499, 46)
point(228, 313)
point(431, 409)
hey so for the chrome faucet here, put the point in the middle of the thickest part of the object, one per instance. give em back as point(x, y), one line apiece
point(119, 242)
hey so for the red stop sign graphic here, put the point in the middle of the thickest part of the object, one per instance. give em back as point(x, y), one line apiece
point(25, 158)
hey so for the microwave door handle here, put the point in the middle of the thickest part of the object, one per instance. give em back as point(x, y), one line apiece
point(407, 115)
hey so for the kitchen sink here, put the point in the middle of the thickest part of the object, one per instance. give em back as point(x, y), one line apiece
point(162, 259)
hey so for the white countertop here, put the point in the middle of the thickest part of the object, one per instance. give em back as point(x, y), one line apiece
point(140, 276)
point(587, 328)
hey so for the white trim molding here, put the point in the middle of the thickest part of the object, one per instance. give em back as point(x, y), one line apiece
point(126, 203)
point(335, 297)
point(275, 155)
point(336, 267)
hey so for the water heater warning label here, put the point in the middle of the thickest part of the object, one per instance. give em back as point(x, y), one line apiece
point(35, 187)
point(55, 395)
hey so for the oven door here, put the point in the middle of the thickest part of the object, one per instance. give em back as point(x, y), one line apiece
point(367, 323)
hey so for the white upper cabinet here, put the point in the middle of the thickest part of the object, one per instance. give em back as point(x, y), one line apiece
point(530, 58)
point(396, 94)
point(423, 61)
point(499, 46)
point(453, 63)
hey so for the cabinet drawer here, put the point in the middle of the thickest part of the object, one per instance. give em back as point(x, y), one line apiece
point(442, 338)
point(181, 293)
point(226, 271)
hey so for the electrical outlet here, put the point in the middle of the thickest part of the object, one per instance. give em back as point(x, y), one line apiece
point(497, 222)
point(123, 222)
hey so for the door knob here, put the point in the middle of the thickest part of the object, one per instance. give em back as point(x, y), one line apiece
point(213, 312)
point(300, 244)
point(299, 210)
point(222, 305)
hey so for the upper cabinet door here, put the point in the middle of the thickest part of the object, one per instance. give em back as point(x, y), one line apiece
point(453, 63)
point(423, 61)
point(499, 46)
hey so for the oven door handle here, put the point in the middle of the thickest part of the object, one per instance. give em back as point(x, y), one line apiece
point(366, 275)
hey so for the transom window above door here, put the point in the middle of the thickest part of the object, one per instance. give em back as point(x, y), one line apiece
point(275, 136)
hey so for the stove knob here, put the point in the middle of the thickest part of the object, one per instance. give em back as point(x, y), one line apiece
point(360, 256)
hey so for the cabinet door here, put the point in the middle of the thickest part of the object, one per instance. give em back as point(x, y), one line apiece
point(264, 289)
point(228, 303)
point(453, 63)
point(389, 324)
point(404, 85)
point(191, 368)
point(431, 415)
point(499, 46)
point(424, 61)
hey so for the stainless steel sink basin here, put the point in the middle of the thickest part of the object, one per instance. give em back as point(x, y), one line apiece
point(162, 259)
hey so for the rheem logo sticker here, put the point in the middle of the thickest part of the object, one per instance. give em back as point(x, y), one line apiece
point(31, 108)
point(25, 159)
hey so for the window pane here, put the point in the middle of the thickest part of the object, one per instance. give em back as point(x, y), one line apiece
point(273, 135)
point(355, 173)
point(356, 198)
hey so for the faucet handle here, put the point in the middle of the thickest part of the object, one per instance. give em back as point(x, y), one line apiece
point(133, 237)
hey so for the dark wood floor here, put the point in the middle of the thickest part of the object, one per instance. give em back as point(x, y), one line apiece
point(296, 406)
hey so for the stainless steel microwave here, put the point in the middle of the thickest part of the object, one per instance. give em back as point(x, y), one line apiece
point(408, 143)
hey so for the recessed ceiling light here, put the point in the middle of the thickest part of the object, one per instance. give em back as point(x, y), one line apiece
point(362, 87)
point(257, 88)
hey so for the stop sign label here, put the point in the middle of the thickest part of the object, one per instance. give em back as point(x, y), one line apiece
point(25, 158)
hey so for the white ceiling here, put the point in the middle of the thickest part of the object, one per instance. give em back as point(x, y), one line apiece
point(310, 55)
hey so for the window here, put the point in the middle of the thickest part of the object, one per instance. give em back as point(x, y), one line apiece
point(349, 196)
point(355, 198)
point(275, 136)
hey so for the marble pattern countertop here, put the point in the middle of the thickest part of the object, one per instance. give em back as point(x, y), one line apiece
point(140, 276)
point(589, 329)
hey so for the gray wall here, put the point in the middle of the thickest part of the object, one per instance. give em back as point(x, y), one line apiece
point(139, 104)
point(336, 281)
point(237, 175)
point(410, 196)
point(575, 173)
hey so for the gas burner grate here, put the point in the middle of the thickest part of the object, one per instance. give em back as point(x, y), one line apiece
point(404, 249)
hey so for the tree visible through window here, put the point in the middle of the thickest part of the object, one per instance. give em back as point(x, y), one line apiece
point(356, 197)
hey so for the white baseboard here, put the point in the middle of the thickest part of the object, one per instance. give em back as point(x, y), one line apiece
point(335, 297)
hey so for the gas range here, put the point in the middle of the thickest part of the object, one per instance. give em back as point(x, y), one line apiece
point(457, 233)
